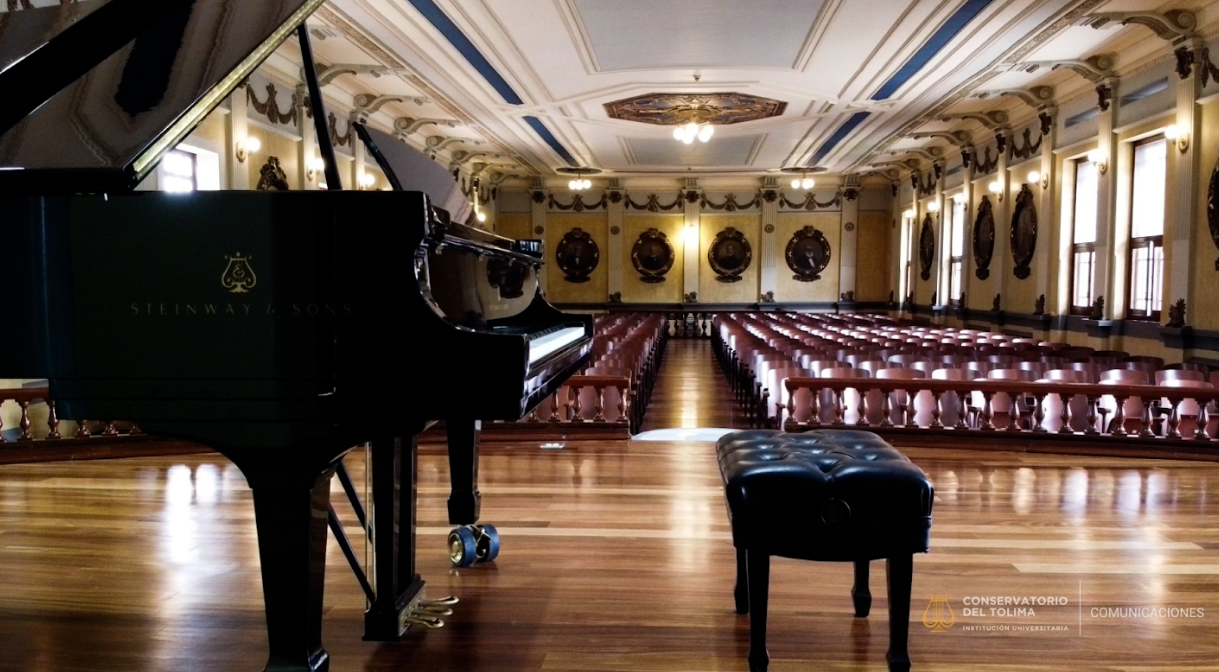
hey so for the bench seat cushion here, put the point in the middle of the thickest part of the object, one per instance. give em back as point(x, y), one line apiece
point(824, 495)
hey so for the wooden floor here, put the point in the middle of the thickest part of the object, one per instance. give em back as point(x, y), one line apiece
point(617, 557)
point(691, 390)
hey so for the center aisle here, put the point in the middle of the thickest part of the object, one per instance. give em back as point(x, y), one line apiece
point(691, 390)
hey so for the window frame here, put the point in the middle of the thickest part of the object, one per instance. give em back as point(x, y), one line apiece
point(1152, 243)
point(1081, 248)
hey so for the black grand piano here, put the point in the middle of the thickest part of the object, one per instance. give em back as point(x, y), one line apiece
point(280, 328)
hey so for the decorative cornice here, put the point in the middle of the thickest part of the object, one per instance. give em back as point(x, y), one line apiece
point(577, 203)
point(730, 204)
point(810, 202)
point(270, 107)
point(653, 203)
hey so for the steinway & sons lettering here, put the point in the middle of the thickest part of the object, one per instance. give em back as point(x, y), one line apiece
point(155, 309)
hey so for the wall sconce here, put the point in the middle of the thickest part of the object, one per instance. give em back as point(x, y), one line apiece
point(480, 215)
point(367, 181)
point(247, 147)
point(1174, 134)
point(909, 214)
point(996, 189)
point(933, 206)
point(1034, 177)
point(1095, 156)
point(314, 166)
point(959, 198)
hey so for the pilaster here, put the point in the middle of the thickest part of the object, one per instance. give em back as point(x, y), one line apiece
point(1184, 176)
point(1003, 221)
point(849, 235)
point(537, 200)
point(769, 276)
point(692, 194)
point(1045, 205)
point(1106, 199)
point(237, 130)
point(615, 209)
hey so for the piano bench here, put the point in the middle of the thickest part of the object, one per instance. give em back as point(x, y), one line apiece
point(829, 495)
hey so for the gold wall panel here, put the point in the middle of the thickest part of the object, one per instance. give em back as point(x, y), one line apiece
point(1204, 314)
point(518, 225)
point(745, 290)
point(790, 290)
point(634, 290)
point(274, 144)
point(982, 292)
point(558, 289)
point(872, 257)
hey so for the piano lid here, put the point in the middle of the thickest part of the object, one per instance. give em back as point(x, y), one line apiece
point(409, 169)
point(152, 70)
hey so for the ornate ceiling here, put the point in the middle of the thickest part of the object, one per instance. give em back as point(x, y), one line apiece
point(534, 85)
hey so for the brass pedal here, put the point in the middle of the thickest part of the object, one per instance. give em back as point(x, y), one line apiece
point(425, 621)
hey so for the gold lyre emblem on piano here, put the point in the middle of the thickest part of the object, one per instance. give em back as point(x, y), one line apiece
point(238, 276)
point(938, 616)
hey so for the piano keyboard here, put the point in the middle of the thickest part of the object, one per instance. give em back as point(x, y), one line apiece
point(551, 342)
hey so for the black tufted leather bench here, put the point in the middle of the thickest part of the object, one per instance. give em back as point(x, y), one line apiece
point(837, 495)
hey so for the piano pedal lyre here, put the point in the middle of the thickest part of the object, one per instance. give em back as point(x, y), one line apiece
point(427, 613)
point(469, 544)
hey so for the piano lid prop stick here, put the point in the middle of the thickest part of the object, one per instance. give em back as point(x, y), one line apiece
point(333, 183)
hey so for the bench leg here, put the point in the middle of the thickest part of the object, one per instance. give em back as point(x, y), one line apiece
point(741, 592)
point(900, 574)
point(759, 590)
point(860, 593)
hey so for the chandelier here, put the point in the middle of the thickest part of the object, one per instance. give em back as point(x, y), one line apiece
point(800, 178)
point(580, 181)
point(687, 133)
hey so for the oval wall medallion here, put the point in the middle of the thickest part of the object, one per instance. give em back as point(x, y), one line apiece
point(652, 255)
point(984, 238)
point(1212, 208)
point(538, 230)
point(729, 255)
point(1024, 232)
point(807, 254)
point(770, 228)
point(926, 248)
point(849, 226)
point(577, 255)
point(615, 230)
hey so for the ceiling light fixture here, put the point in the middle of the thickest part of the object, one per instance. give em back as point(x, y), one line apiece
point(688, 133)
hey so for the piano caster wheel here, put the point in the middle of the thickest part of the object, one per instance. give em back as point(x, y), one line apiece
point(488, 542)
point(463, 547)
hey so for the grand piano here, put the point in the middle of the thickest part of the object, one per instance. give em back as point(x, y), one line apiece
point(280, 328)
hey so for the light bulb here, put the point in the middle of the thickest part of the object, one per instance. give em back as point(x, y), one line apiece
point(808, 183)
point(481, 216)
point(909, 214)
point(1094, 156)
point(692, 128)
point(995, 187)
point(706, 133)
point(678, 132)
point(317, 164)
point(1172, 132)
point(796, 183)
point(571, 185)
point(688, 139)
point(959, 198)
point(933, 206)
point(1034, 177)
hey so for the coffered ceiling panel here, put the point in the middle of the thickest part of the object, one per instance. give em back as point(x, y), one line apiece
point(658, 34)
point(722, 152)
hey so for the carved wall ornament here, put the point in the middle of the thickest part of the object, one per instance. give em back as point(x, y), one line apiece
point(653, 203)
point(652, 255)
point(336, 139)
point(770, 195)
point(577, 255)
point(767, 297)
point(673, 109)
point(1212, 208)
point(1176, 315)
point(615, 230)
point(847, 296)
point(808, 254)
point(966, 157)
point(730, 204)
point(577, 203)
point(849, 226)
point(270, 107)
point(271, 176)
point(729, 255)
point(920, 187)
point(616, 297)
point(769, 228)
point(538, 196)
point(962, 301)
point(926, 248)
point(1029, 147)
point(539, 230)
point(850, 193)
point(1185, 62)
point(1098, 309)
point(1024, 231)
point(1047, 123)
point(1104, 94)
point(994, 305)
point(984, 239)
point(810, 202)
point(938, 169)
point(935, 297)
point(692, 297)
point(1001, 141)
point(1039, 308)
point(692, 196)
point(987, 163)
point(615, 197)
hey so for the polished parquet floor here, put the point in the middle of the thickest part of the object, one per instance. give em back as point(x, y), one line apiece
point(617, 557)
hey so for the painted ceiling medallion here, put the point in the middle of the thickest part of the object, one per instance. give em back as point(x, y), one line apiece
point(673, 109)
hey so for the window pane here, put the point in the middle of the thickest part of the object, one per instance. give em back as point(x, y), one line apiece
point(1140, 268)
point(1147, 208)
point(1085, 202)
point(1083, 279)
point(1157, 278)
point(954, 280)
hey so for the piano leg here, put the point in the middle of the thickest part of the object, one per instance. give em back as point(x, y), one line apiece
point(468, 543)
point(464, 500)
point(399, 588)
point(291, 522)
